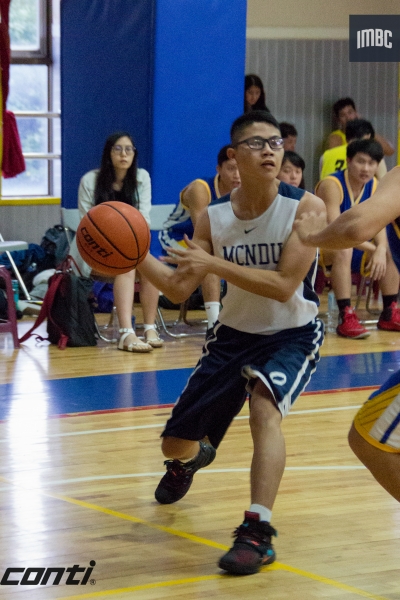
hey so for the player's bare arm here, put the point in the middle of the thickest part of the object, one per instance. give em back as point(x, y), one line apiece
point(377, 259)
point(360, 223)
point(195, 198)
point(387, 147)
point(330, 194)
point(279, 285)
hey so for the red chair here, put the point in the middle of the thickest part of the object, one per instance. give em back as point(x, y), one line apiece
point(10, 325)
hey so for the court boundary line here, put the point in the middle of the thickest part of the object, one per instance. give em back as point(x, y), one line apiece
point(107, 411)
point(192, 538)
point(157, 425)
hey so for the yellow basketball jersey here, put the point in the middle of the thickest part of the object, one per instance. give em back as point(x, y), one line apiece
point(333, 160)
point(341, 134)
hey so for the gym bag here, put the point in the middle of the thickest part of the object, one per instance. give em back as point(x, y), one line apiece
point(67, 308)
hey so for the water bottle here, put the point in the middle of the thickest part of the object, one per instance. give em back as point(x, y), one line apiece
point(15, 288)
point(333, 313)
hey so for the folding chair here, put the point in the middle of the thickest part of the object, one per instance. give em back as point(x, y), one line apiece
point(158, 215)
point(10, 324)
point(15, 246)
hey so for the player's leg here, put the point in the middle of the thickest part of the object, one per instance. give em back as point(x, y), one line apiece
point(375, 435)
point(274, 385)
point(384, 466)
point(348, 325)
point(389, 319)
point(214, 394)
point(124, 289)
point(149, 296)
point(253, 546)
point(269, 456)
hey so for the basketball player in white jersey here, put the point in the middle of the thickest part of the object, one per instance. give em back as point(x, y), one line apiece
point(266, 342)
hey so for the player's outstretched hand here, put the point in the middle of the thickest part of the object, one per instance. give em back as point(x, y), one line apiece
point(308, 224)
point(192, 259)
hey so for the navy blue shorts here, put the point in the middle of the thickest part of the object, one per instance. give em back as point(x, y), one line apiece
point(231, 359)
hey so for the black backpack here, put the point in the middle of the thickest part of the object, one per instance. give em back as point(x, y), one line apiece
point(56, 246)
point(67, 308)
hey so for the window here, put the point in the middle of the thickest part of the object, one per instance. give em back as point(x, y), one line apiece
point(34, 96)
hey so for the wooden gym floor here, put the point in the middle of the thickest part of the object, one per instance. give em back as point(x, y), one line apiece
point(81, 459)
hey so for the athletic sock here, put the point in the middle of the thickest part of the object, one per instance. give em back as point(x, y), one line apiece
point(343, 303)
point(388, 300)
point(212, 310)
point(387, 303)
point(265, 513)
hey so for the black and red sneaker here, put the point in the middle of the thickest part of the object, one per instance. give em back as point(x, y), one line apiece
point(252, 548)
point(179, 476)
point(390, 318)
point(349, 326)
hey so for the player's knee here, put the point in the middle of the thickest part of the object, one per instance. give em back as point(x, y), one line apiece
point(264, 413)
point(342, 258)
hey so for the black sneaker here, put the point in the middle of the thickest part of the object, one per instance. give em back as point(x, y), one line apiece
point(252, 548)
point(179, 476)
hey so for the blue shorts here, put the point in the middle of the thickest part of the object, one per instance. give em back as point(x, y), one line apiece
point(230, 360)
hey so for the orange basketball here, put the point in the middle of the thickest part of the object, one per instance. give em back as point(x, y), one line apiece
point(113, 238)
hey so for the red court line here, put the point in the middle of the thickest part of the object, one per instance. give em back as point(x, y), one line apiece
point(158, 406)
point(363, 388)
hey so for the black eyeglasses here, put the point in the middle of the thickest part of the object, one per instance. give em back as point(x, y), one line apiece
point(120, 149)
point(258, 143)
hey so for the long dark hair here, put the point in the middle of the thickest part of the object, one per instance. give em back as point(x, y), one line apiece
point(297, 161)
point(106, 177)
point(250, 80)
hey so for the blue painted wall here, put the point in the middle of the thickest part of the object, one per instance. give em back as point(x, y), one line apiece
point(198, 88)
point(106, 82)
point(169, 71)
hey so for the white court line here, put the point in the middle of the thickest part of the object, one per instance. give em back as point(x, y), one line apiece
point(161, 473)
point(156, 425)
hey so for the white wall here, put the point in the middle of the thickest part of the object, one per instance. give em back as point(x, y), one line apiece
point(313, 13)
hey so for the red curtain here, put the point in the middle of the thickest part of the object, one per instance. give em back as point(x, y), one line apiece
point(13, 160)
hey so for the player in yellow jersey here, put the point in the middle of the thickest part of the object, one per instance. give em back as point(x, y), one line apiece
point(344, 110)
point(335, 159)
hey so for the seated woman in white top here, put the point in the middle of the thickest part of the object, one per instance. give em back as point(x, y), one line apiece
point(121, 180)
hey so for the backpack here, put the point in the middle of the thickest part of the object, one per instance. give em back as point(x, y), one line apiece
point(67, 308)
point(56, 246)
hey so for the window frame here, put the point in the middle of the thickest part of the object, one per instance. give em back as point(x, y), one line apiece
point(43, 54)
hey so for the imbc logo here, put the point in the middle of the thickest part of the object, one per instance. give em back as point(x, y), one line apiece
point(43, 576)
point(374, 38)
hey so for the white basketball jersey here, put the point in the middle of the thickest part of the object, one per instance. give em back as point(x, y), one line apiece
point(257, 244)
